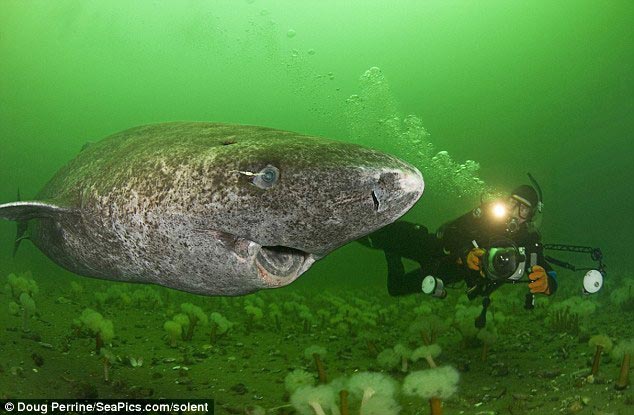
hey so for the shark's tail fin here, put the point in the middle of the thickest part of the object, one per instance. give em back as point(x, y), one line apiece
point(22, 212)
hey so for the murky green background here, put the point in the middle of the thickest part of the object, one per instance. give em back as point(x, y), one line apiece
point(544, 87)
point(535, 86)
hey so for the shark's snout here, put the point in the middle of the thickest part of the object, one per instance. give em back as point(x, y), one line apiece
point(411, 181)
point(397, 189)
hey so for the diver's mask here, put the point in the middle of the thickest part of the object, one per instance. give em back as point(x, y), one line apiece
point(517, 209)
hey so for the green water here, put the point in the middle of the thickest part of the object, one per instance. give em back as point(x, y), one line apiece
point(503, 87)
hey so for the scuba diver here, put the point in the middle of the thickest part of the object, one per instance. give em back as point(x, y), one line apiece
point(493, 244)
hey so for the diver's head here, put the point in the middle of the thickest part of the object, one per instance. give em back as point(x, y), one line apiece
point(522, 203)
point(519, 208)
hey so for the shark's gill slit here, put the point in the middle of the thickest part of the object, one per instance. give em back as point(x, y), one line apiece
point(281, 261)
point(375, 199)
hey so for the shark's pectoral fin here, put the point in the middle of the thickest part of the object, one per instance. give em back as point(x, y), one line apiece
point(239, 246)
point(22, 212)
point(20, 236)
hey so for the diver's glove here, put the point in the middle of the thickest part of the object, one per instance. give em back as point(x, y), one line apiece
point(539, 278)
point(474, 259)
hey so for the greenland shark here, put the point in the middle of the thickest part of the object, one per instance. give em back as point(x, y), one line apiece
point(212, 209)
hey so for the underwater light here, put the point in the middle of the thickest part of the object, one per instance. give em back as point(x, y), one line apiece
point(434, 286)
point(499, 210)
point(592, 281)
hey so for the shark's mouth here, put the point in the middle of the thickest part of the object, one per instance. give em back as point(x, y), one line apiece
point(276, 265)
point(282, 263)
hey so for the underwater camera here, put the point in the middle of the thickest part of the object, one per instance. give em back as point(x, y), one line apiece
point(504, 261)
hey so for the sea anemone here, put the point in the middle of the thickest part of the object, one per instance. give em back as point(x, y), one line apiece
point(340, 388)
point(195, 315)
point(623, 351)
point(463, 322)
point(324, 315)
point(433, 384)
point(380, 405)
point(428, 326)
point(624, 295)
point(219, 326)
point(404, 353)
point(276, 316)
point(183, 321)
point(28, 309)
point(174, 331)
point(315, 400)
point(367, 385)
point(317, 353)
point(388, 359)
point(76, 290)
point(488, 336)
point(147, 297)
point(254, 314)
point(369, 340)
point(107, 358)
point(22, 289)
point(298, 378)
point(97, 326)
point(428, 353)
point(600, 342)
point(307, 318)
point(18, 284)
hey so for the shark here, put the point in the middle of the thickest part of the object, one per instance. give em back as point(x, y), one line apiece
point(212, 208)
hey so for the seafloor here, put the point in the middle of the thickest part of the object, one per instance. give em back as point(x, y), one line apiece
point(537, 362)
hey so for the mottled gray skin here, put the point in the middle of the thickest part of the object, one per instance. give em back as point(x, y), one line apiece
point(175, 204)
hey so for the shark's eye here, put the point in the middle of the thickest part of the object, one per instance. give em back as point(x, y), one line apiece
point(267, 177)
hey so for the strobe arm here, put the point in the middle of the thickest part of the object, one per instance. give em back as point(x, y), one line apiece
point(595, 254)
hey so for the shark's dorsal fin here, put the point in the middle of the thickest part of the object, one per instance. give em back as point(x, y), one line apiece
point(86, 145)
point(27, 210)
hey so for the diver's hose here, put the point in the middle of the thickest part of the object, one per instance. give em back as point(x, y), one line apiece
point(540, 204)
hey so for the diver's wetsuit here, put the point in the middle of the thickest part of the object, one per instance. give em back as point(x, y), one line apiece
point(443, 255)
point(405, 240)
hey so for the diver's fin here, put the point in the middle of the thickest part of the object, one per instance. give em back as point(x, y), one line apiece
point(24, 211)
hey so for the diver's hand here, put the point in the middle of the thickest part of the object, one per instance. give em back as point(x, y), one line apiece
point(474, 259)
point(539, 278)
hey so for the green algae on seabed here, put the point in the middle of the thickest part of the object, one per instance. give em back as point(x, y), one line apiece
point(249, 364)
